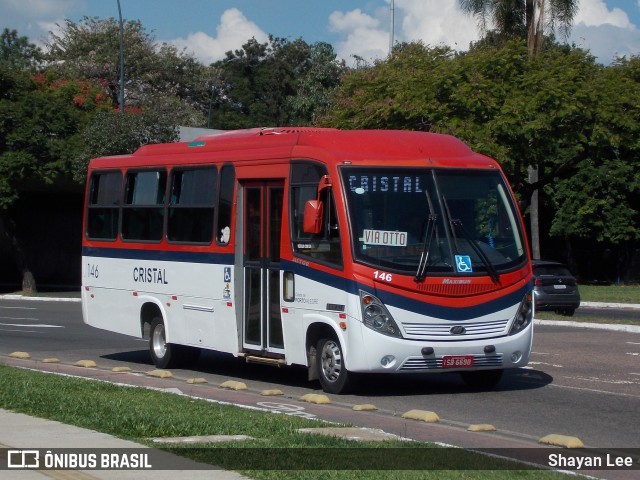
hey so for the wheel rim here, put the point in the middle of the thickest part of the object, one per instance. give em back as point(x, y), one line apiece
point(331, 358)
point(158, 342)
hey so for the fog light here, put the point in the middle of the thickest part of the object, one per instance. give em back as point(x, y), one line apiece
point(387, 361)
point(516, 357)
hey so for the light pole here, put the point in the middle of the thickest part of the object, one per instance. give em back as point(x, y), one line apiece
point(121, 60)
point(391, 27)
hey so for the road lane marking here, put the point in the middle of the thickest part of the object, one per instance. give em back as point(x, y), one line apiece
point(594, 390)
point(29, 325)
point(543, 363)
point(19, 318)
point(596, 379)
point(18, 308)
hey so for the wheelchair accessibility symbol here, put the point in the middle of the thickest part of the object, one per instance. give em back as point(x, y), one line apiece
point(227, 274)
point(463, 264)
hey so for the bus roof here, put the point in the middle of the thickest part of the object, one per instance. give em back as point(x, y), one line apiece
point(309, 142)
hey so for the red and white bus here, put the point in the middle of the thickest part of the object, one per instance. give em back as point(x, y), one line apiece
point(342, 251)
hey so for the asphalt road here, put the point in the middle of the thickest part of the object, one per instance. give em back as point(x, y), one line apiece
point(580, 382)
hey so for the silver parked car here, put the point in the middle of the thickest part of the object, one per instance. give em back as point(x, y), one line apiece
point(555, 288)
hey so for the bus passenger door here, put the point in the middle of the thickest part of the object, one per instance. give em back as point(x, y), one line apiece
point(262, 214)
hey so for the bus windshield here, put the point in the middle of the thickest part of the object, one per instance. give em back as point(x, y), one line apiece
point(433, 221)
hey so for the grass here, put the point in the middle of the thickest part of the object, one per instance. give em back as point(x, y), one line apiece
point(610, 293)
point(137, 414)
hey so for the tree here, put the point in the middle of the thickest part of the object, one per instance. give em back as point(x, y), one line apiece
point(530, 19)
point(155, 75)
point(279, 82)
point(110, 133)
point(40, 121)
point(576, 120)
point(164, 88)
point(16, 52)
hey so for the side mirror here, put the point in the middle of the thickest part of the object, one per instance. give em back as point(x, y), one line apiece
point(313, 215)
point(314, 209)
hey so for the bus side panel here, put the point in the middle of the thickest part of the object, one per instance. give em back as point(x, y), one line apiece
point(315, 302)
point(116, 289)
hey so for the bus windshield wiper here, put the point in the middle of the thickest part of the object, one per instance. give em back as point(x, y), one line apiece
point(426, 246)
point(474, 246)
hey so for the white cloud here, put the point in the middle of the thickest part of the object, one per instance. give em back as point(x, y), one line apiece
point(37, 9)
point(593, 13)
point(437, 23)
point(35, 18)
point(433, 23)
point(233, 31)
point(362, 33)
point(606, 33)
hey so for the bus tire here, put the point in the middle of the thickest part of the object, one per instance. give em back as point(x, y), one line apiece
point(163, 354)
point(483, 379)
point(332, 372)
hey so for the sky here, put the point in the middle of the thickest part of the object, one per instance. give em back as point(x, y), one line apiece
point(209, 28)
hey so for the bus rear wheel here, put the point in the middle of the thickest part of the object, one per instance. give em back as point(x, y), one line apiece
point(332, 372)
point(168, 355)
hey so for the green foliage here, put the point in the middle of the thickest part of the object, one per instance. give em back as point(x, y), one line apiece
point(577, 122)
point(39, 128)
point(111, 133)
point(157, 77)
point(276, 83)
point(16, 52)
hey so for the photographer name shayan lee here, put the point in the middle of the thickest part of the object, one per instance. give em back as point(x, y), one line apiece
point(578, 462)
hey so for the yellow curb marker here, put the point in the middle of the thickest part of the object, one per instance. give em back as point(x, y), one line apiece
point(51, 360)
point(160, 374)
point(85, 363)
point(315, 398)
point(483, 427)
point(562, 441)
point(233, 385)
point(196, 380)
point(422, 415)
point(366, 407)
point(23, 355)
point(270, 393)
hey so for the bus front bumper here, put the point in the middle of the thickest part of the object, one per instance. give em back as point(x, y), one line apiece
point(382, 354)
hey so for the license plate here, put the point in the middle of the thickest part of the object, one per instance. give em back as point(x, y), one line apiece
point(457, 361)
point(559, 287)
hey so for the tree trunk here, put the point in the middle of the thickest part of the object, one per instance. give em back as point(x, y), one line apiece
point(533, 214)
point(9, 228)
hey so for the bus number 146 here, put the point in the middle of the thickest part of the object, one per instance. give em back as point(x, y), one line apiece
point(92, 270)
point(384, 276)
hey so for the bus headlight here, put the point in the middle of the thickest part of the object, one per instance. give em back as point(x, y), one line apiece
point(376, 316)
point(524, 316)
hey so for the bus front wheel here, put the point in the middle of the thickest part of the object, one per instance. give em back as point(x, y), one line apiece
point(163, 354)
point(332, 372)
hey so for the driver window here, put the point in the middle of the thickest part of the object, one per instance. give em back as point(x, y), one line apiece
point(326, 246)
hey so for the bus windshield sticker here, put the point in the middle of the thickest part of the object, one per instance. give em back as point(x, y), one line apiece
point(463, 264)
point(385, 237)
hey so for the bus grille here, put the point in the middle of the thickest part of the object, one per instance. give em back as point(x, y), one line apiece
point(421, 363)
point(422, 331)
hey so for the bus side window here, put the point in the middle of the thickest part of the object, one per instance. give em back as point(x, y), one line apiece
point(143, 209)
point(225, 204)
point(103, 205)
point(326, 246)
point(191, 205)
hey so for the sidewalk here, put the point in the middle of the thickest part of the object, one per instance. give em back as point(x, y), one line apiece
point(19, 431)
